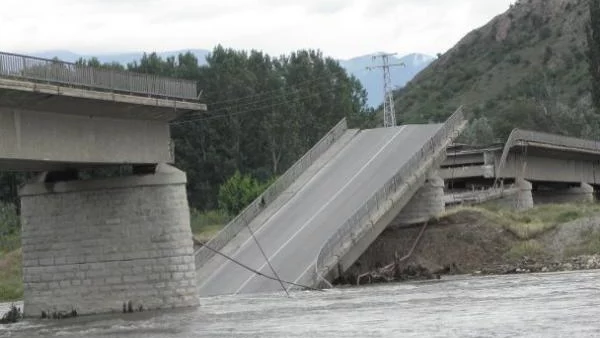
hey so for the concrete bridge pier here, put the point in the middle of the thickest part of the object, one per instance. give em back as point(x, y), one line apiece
point(523, 198)
point(584, 193)
point(426, 204)
point(95, 245)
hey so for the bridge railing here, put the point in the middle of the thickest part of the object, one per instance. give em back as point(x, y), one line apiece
point(350, 231)
point(73, 75)
point(268, 196)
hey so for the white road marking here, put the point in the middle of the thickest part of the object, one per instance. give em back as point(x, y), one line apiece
point(323, 207)
point(285, 206)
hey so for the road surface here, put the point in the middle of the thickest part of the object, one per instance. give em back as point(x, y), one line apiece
point(293, 236)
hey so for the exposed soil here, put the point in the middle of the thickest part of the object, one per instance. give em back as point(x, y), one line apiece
point(469, 242)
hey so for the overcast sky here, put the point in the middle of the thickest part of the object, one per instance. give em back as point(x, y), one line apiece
point(341, 28)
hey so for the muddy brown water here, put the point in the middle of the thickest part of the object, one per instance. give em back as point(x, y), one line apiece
point(535, 305)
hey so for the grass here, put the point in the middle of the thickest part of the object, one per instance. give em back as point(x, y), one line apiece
point(529, 224)
point(205, 225)
point(11, 278)
point(589, 246)
point(529, 248)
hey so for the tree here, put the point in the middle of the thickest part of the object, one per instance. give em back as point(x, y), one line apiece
point(237, 192)
point(593, 41)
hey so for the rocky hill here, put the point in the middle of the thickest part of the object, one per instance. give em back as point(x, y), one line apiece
point(526, 68)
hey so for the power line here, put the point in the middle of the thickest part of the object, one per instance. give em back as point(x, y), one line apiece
point(283, 95)
point(254, 270)
point(257, 95)
point(267, 259)
point(214, 117)
point(389, 111)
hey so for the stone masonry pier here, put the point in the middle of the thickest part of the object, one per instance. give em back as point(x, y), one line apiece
point(94, 245)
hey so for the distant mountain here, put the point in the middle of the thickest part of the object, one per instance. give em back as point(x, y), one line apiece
point(372, 81)
point(123, 58)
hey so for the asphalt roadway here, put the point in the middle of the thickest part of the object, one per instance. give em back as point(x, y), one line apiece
point(293, 236)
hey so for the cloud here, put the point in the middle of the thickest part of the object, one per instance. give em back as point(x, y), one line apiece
point(340, 28)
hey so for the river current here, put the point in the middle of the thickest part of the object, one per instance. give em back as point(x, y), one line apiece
point(534, 305)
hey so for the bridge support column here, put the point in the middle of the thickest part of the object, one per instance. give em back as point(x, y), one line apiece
point(584, 193)
point(426, 204)
point(95, 245)
point(523, 199)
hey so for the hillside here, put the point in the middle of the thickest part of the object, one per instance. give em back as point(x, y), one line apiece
point(526, 68)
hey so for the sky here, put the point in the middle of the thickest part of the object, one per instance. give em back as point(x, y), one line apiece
point(340, 28)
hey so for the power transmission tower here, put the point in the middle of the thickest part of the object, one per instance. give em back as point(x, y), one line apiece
point(389, 111)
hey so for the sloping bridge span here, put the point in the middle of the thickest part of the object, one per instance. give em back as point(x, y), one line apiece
point(325, 215)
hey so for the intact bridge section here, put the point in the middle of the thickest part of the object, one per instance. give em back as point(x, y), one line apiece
point(97, 245)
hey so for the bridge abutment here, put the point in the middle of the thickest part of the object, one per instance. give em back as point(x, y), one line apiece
point(94, 245)
point(426, 204)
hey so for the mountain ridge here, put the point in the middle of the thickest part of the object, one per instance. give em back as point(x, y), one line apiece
point(526, 68)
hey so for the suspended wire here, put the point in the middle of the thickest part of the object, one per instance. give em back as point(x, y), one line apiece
point(282, 96)
point(254, 270)
point(267, 259)
point(207, 118)
point(293, 86)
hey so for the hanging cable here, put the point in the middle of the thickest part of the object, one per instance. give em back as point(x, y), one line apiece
point(267, 260)
point(214, 117)
point(254, 270)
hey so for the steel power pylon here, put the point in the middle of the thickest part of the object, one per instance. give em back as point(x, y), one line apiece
point(389, 111)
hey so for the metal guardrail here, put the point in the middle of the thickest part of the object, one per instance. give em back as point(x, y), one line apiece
point(268, 196)
point(363, 214)
point(65, 73)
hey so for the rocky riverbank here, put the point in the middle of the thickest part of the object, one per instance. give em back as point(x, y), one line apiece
point(530, 265)
point(484, 241)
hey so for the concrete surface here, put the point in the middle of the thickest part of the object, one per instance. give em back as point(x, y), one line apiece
point(205, 268)
point(94, 245)
point(293, 236)
point(33, 140)
point(60, 99)
point(534, 156)
point(426, 204)
point(277, 194)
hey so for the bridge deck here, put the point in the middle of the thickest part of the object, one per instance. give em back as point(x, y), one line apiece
point(294, 234)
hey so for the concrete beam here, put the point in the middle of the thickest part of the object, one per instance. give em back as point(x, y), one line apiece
point(76, 101)
point(33, 140)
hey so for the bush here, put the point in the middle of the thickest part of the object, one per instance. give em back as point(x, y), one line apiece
point(11, 280)
point(239, 191)
point(207, 220)
point(10, 228)
point(545, 33)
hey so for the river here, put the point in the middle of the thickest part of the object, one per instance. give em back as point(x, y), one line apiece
point(535, 305)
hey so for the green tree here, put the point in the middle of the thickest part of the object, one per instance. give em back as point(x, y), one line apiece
point(237, 192)
point(593, 41)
